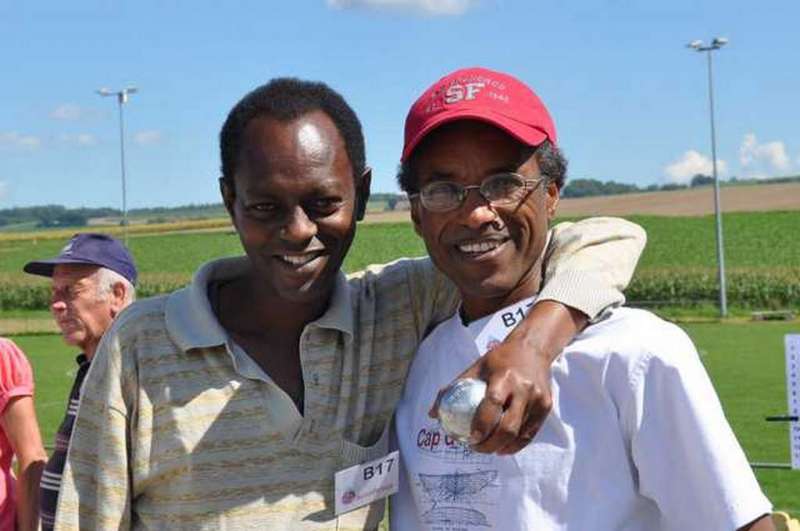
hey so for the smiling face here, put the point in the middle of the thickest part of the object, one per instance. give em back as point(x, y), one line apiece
point(493, 254)
point(293, 204)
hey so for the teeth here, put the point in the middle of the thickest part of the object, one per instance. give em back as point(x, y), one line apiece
point(298, 260)
point(479, 247)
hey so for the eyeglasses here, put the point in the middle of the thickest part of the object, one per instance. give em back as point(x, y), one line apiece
point(501, 189)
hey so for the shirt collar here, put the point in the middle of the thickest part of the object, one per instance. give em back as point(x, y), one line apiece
point(191, 321)
point(339, 315)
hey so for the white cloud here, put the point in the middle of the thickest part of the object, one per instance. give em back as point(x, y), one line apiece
point(690, 164)
point(148, 138)
point(67, 111)
point(86, 139)
point(78, 139)
point(759, 160)
point(425, 7)
point(14, 140)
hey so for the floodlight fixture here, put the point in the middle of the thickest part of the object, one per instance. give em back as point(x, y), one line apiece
point(719, 42)
point(716, 44)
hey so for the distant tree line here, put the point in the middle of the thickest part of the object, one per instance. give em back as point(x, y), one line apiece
point(60, 216)
point(53, 215)
point(391, 200)
point(48, 216)
point(594, 187)
point(184, 212)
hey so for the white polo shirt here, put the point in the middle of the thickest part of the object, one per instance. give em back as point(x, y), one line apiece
point(636, 440)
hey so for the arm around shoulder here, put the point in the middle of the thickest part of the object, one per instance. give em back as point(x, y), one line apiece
point(590, 263)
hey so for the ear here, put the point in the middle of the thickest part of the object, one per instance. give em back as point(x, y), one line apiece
point(415, 206)
point(118, 292)
point(362, 193)
point(228, 194)
point(551, 201)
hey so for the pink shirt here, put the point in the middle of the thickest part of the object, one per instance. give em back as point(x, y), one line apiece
point(16, 379)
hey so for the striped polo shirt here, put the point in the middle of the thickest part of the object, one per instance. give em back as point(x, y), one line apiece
point(51, 476)
point(175, 432)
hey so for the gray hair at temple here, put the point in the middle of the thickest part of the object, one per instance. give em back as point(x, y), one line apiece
point(105, 280)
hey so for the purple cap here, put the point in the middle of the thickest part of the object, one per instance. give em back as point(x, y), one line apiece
point(91, 249)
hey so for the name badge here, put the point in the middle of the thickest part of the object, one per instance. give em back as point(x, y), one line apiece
point(362, 484)
point(499, 325)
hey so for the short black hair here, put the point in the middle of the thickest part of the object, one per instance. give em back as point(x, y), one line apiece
point(551, 161)
point(285, 99)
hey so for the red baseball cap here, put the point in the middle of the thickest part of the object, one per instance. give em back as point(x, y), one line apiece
point(479, 94)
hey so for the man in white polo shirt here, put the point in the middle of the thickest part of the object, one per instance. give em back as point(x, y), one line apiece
point(636, 438)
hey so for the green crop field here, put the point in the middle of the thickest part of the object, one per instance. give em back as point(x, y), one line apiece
point(162, 253)
point(678, 265)
point(746, 363)
point(752, 240)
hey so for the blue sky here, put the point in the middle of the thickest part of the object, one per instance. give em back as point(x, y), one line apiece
point(629, 101)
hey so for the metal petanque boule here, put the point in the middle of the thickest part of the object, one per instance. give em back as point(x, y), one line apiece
point(458, 405)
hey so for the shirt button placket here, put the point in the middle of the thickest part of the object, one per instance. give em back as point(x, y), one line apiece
point(305, 346)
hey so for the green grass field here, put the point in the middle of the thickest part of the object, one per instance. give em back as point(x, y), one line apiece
point(746, 363)
point(752, 240)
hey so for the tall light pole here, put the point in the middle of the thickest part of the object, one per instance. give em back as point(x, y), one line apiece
point(698, 46)
point(122, 98)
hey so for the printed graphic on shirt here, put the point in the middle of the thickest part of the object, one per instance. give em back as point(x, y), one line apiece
point(460, 500)
point(432, 441)
point(454, 487)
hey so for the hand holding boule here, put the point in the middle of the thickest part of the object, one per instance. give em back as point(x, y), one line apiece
point(457, 406)
point(516, 404)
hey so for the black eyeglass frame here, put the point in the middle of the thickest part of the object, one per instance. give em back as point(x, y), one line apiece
point(463, 191)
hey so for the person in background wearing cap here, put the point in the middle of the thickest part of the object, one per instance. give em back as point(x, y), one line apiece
point(232, 403)
point(636, 439)
point(20, 440)
point(93, 280)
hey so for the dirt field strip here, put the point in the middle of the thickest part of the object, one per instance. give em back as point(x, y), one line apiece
point(394, 216)
point(691, 202)
point(15, 325)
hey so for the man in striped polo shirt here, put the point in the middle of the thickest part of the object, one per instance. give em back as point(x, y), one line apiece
point(92, 281)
